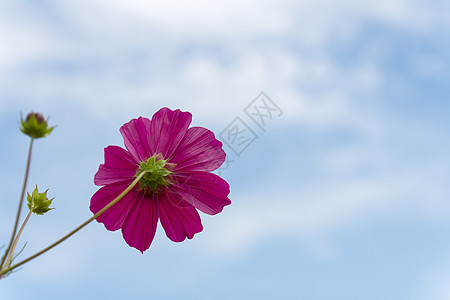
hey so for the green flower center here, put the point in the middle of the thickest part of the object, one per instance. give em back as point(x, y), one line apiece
point(156, 172)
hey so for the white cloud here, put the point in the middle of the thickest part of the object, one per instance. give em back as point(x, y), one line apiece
point(383, 171)
point(313, 214)
point(306, 82)
point(438, 282)
point(200, 18)
point(118, 58)
point(99, 38)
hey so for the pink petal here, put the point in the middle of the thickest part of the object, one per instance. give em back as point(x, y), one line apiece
point(168, 129)
point(114, 217)
point(205, 191)
point(178, 218)
point(199, 151)
point(136, 138)
point(119, 166)
point(139, 227)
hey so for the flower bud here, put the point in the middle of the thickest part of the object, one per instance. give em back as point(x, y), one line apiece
point(35, 126)
point(38, 202)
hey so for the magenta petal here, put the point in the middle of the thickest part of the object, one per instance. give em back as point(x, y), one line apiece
point(168, 129)
point(114, 217)
point(205, 191)
point(119, 166)
point(139, 227)
point(178, 218)
point(190, 153)
point(199, 151)
point(136, 138)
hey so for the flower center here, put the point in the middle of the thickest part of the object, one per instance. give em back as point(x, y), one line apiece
point(157, 169)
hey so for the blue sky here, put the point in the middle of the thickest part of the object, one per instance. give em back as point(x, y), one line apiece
point(343, 196)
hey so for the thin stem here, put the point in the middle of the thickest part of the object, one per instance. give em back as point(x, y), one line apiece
point(27, 170)
point(79, 227)
point(8, 260)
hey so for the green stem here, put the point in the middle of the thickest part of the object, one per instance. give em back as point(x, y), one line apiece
point(27, 170)
point(8, 260)
point(79, 227)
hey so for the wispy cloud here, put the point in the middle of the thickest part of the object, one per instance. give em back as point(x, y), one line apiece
point(351, 147)
point(214, 56)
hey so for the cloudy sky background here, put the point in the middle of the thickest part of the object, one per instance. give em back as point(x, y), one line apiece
point(344, 196)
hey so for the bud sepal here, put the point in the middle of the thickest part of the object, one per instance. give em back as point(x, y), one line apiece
point(35, 126)
point(38, 203)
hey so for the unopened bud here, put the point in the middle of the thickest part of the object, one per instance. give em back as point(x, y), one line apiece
point(38, 203)
point(35, 126)
point(39, 117)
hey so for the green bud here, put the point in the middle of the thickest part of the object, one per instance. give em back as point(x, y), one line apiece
point(35, 125)
point(38, 202)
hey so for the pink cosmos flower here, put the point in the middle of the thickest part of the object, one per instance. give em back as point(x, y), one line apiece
point(179, 160)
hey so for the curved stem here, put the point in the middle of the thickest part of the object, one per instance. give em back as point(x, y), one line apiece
point(8, 260)
point(27, 170)
point(79, 227)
